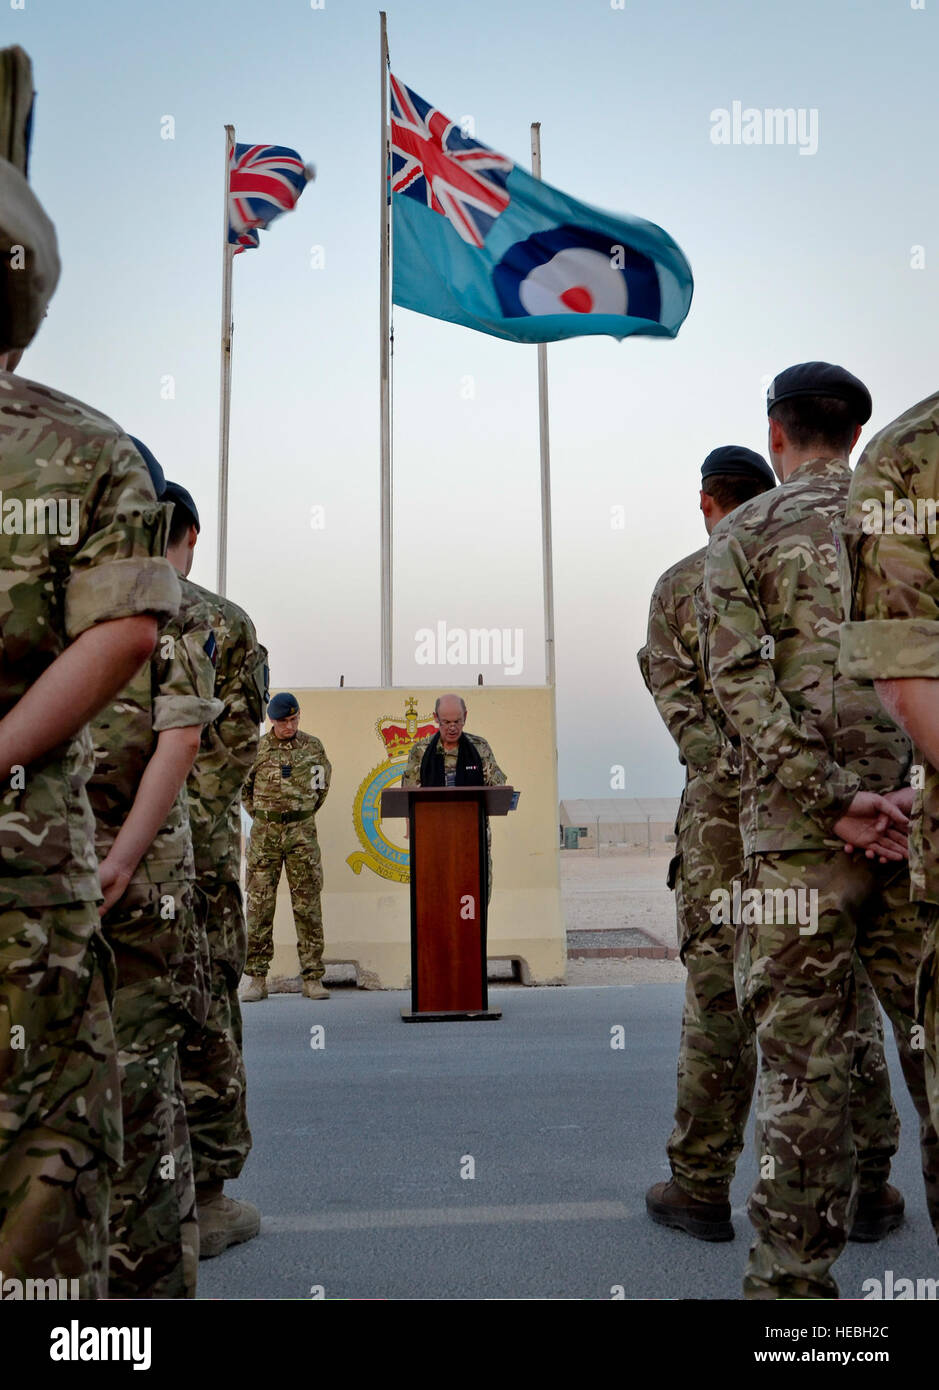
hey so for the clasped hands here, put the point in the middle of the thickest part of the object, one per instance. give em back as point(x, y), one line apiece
point(878, 825)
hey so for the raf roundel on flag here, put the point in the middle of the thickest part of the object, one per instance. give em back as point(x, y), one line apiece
point(574, 270)
point(478, 241)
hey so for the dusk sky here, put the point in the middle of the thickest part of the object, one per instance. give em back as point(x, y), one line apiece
point(822, 249)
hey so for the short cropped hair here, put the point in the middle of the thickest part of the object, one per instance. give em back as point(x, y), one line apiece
point(822, 422)
point(730, 490)
point(181, 521)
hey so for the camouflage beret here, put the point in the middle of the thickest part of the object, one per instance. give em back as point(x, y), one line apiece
point(283, 706)
point(821, 379)
point(738, 462)
point(30, 260)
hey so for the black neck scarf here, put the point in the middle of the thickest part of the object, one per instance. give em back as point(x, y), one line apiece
point(469, 767)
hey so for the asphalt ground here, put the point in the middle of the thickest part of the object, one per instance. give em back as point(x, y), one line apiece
point(363, 1150)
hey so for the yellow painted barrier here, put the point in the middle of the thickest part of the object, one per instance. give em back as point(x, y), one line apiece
point(366, 904)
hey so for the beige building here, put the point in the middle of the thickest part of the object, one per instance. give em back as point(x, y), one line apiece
point(618, 820)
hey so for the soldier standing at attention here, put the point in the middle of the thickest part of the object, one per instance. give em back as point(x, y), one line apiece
point(285, 788)
point(717, 1055)
point(823, 767)
point(213, 1068)
point(78, 615)
point(146, 741)
point(890, 590)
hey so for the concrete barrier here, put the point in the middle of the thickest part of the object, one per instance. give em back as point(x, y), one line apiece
point(366, 905)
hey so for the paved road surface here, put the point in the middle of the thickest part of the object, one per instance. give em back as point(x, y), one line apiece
point(359, 1147)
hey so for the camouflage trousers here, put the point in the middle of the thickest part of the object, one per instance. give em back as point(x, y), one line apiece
point(800, 991)
point(717, 1052)
point(161, 964)
point(213, 1068)
point(295, 847)
point(60, 1118)
point(927, 1010)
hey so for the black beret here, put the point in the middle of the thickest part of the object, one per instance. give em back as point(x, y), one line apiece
point(175, 492)
point(283, 706)
point(157, 476)
point(821, 379)
point(739, 462)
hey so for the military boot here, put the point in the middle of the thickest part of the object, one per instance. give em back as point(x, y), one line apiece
point(669, 1205)
point(254, 989)
point(877, 1214)
point(315, 989)
point(223, 1221)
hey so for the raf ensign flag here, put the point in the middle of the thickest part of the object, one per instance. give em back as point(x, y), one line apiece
point(480, 242)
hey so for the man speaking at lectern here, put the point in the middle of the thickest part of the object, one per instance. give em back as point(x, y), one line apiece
point(454, 758)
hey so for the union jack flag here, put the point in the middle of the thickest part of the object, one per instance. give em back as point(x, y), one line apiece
point(263, 182)
point(434, 162)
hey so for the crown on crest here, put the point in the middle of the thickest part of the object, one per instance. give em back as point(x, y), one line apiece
point(400, 732)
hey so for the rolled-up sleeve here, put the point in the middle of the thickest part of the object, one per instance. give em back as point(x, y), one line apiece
point(185, 693)
point(119, 570)
point(889, 567)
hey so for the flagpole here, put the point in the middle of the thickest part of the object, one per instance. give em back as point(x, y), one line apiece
point(547, 555)
point(225, 385)
point(385, 372)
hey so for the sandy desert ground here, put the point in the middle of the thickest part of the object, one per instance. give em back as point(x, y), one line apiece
point(619, 888)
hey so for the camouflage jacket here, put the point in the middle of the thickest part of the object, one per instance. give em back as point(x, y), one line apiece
point(890, 589)
point(174, 690)
point(229, 742)
point(288, 775)
point(673, 669)
point(810, 737)
point(65, 469)
point(493, 776)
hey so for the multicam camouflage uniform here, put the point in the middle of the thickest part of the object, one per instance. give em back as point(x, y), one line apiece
point(717, 1054)
point(284, 790)
point(212, 1064)
point(890, 594)
point(161, 958)
point(60, 1117)
point(493, 776)
point(810, 739)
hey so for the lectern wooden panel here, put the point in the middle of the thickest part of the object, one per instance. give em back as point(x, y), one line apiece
point(448, 909)
point(447, 830)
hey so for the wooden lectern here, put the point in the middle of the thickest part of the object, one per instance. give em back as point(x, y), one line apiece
point(447, 837)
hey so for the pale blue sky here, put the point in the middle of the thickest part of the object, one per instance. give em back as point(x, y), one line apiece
point(794, 257)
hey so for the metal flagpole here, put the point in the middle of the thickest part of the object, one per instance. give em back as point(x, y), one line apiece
point(225, 387)
point(547, 557)
point(385, 370)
